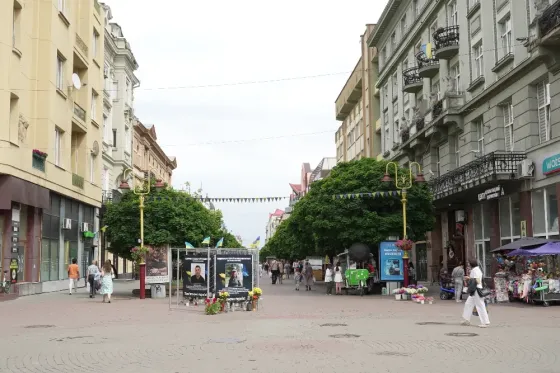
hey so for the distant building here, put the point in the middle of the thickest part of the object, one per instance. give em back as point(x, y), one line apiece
point(274, 220)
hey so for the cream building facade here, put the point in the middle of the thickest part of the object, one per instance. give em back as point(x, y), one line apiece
point(357, 108)
point(50, 137)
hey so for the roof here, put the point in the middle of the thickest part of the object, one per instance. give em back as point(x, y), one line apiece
point(296, 187)
point(384, 20)
point(150, 131)
point(276, 213)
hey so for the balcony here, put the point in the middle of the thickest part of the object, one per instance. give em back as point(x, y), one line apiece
point(79, 112)
point(81, 45)
point(413, 83)
point(77, 181)
point(549, 21)
point(97, 7)
point(482, 171)
point(427, 67)
point(446, 42)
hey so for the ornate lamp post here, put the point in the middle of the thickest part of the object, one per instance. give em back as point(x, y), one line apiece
point(404, 182)
point(141, 193)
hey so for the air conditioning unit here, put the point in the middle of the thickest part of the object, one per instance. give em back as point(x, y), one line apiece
point(525, 169)
point(85, 227)
point(67, 224)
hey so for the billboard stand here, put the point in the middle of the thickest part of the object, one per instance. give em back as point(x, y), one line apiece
point(391, 265)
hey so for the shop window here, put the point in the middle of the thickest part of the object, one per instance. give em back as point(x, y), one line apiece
point(481, 219)
point(510, 219)
point(545, 212)
point(50, 248)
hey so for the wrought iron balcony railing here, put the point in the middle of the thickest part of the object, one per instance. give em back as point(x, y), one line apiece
point(424, 61)
point(490, 165)
point(437, 109)
point(446, 37)
point(550, 19)
point(420, 124)
point(411, 76)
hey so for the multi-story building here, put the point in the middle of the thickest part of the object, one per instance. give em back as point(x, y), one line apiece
point(473, 101)
point(274, 220)
point(357, 108)
point(50, 134)
point(148, 157)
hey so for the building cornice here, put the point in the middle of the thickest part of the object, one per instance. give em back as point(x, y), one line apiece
point(384, 21)
point(147, 138)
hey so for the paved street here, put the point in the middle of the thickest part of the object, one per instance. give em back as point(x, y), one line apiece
point(293, 332)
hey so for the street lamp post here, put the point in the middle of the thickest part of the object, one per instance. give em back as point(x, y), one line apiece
point(404, 182)
point(141, 193)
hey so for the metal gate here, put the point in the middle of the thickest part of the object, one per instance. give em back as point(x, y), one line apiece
point(177, 298)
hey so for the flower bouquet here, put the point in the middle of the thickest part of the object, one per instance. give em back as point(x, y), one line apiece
point(398, 294)
point(212, 306)
point(254, 296)
point(222, 298)
point(422, 290)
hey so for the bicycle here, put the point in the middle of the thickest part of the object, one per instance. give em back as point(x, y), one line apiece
point(5, 285)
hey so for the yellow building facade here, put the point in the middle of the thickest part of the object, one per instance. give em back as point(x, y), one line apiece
point(51, 107)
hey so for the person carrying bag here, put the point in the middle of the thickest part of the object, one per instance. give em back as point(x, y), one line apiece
point(476, 291)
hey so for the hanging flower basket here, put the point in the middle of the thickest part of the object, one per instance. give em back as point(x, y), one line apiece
point(405, 245)
point(139, 254)
point(39, 154)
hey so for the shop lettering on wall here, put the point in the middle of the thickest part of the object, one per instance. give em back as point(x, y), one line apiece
point(491, 193)
point(551, 165)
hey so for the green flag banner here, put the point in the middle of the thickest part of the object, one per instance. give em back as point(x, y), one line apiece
point(383, 194)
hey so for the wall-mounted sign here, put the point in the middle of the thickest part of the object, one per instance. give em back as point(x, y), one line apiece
point(551, 165)
point(491, 193)
point(523, 228)
point(14, 266)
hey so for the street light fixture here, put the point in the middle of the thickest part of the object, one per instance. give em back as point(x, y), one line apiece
point(404, 182)
point(141, 193)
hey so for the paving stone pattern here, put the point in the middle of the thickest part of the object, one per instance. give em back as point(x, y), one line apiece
point(293, 332)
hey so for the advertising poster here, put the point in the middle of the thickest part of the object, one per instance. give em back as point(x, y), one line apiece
point(157, 265)
point(195, 274)
point(390, 262)
point(234, 274)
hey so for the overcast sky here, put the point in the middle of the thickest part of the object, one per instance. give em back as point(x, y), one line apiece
point(185, 43)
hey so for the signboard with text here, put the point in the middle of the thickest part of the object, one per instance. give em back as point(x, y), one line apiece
point(492, 193)
point(551, 165)
point(390, 262)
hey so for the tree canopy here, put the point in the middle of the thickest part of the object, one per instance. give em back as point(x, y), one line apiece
point(171, 217)
point(322, 225)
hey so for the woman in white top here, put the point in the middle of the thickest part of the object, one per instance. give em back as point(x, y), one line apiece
point(338, 278)
point(329, 279)
point(474, 299)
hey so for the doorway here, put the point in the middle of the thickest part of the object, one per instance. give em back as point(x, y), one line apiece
point(421, 262)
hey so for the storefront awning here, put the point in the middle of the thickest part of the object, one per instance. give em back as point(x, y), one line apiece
point(13, 189)
point(524, 243)
point(551, 248)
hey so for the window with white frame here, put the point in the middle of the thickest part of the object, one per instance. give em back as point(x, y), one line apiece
point(105, 178)
point(60, 72)
point(396, 132)
point(387, 142)
point(543, 98)
point(92, 168)
point(435, 94)
point(393, 42)
point(386, 95)
point(106, 130)
point(404, 27)
point(481, 220)
point(61, 6)
point(94, 43)
point(479, 133)
point(545, 212)
point(453, 18)
point(438, 161)
point(456, 78)
point(507, 113)
point(510, 219)
point(472, 3)
point(456, 151)
point(93, 105)
point(505, 32)
point(395, 85)
point(478, 53)
point(58, 147)
point(128, 91)
point(433, 29)
point(415, 9)
point(382, 57)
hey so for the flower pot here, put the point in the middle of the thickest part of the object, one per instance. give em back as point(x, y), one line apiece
point(254, 304)
point(421, 302)
point(222, 307)
point(431, 302)
point(398, 296)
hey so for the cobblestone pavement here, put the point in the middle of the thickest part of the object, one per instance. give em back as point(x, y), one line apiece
point(292, 332)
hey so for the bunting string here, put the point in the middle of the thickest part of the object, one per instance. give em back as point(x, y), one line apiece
point(224, 199)
point(384, 194)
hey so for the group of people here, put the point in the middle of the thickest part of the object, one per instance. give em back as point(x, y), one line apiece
point(280, 270)
point(98, 279)
point(334, 276)
point(473, 285)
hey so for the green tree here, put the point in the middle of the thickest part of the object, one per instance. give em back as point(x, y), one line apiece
point(171, 217)
point(321, 225)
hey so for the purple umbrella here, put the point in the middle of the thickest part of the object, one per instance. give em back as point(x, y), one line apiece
point(551, 248)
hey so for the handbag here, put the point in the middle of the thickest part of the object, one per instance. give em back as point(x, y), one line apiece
point(485, 291)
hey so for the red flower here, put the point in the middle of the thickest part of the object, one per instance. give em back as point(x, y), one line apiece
point(214, 301)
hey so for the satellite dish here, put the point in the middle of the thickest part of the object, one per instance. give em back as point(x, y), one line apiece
point(76, 82)
point(359, 252)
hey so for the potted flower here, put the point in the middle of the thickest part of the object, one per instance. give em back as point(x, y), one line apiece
point(254, 296)
point(430, 300)
point(39, 154)
point(139, 254)
point(404, 244)
point(398, 294)
point(223, 298)
point(212, 306)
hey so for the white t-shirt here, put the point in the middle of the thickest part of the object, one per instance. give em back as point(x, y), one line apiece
point(328, 275)
point(476, 273)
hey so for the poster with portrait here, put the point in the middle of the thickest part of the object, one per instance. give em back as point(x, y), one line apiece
point(234, 274)
point(390, 262)
point(194, 270)
point(157, 265)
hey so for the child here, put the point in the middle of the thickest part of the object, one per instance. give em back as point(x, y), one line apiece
point(298, 278)
point(329, 279)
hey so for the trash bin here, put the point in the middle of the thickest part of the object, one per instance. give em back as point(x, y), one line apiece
point(158, 291)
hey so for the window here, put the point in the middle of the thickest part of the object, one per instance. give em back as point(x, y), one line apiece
point(393, 42)
point(478, 61)
point(415, 9)
point(396, 132)
point(94, 96)
point(128, 142)
point(114, 138)
point(543, 97)
point(61, 6)
point(472, 3)
point(456, 78)
point(127, 92)
point(507, 112)
point(433, 29)
point(545, 212)
point(395, 86)
point(505, 31)
point(51, 239)
point(58, 146)
point(438, 162)
point(510, 219)
point(404, 27)
point(481, 220)
point(59, 72)
point(456, 151)
point(386, 95)
point(479, 132)
point(94, 43)
point(105, 178)
point(106, 130)
point(382, 57)
point(435, 90)
point(453, 18)
point(92, 168)
point(387, 133)
point(16, 22)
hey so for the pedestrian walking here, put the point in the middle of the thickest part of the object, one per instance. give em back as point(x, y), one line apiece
point(287, 269)
point(280, 271)
point(266, 266)
point(338, 279)
point(107, 276)
point(475, 299)
point(297, 278)
point(308, 276)
point(93, 275)
point(73, 275)
point(274, 267)
point(329, 280)
point(458, 276)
